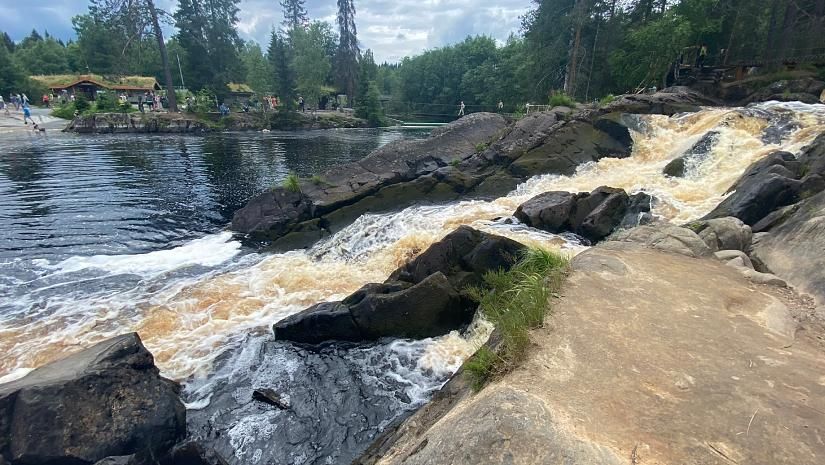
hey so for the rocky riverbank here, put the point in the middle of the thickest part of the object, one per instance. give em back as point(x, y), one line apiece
point(702, 298)
point(668, 343)
point(480, 155)
point(176, 123)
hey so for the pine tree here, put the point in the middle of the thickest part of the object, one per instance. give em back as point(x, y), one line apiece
point(280, 59)
point(348, 52)
point(295, 15)
point(207, 34)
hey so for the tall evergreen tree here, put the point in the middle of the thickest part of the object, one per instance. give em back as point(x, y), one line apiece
point(295, 15)
point(207, 34)
point(280, 59)
point(6, 41)
point(348, 51)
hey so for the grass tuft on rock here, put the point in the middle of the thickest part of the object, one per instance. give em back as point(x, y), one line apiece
point(292, 183)
point(515, 301)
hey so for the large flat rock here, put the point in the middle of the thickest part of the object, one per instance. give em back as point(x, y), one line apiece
point(649, 358)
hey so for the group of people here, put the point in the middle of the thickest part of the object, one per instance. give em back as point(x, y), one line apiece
point(18, 100)
point(21, 103)
point(271, 102)
point(149, 98)
point(461, 107)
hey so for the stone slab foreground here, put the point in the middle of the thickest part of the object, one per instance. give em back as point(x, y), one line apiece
point(650, 358)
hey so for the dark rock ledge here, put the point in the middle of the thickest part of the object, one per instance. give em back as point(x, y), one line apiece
point(424, 298)
point(480, 155)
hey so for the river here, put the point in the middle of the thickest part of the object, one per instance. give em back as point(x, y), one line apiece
point(104, 235)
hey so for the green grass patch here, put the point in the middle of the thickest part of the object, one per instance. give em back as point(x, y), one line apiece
point(515, 301)
point(292, 183)
point(481, 146)
point(606, 100)
point(560, 99)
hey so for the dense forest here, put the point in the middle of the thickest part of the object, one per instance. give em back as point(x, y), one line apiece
point(585, 48)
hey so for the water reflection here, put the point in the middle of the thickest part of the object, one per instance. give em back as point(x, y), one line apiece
point(72, 195)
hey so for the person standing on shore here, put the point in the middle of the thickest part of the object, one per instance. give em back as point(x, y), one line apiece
point(461, 109)
point(27, 114)
point(500, 106)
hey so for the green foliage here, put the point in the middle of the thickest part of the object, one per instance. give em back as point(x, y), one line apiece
point(65, 111)
point(257, 69)
point(106, 102)
point(203, 102)
point(280, 55)
point(606, 100)
point(310, 63)
point(292, 183)
point(208, 36)
point(560, 99)
point(317, 180)
point(481, 146)
point(369, 107)
point(515, 301)
point(81, 104)
point(455, 162)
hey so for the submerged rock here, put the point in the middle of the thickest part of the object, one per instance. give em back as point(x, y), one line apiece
point(340, 396)
point(692, 157)
point(591, 215)
point(107, 400)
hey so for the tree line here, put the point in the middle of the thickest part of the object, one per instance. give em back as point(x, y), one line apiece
point(584, 48)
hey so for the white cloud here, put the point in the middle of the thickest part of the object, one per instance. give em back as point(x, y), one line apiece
point(393, 29)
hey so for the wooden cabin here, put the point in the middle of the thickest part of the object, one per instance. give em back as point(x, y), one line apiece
point(238, 94)
point(90, 84)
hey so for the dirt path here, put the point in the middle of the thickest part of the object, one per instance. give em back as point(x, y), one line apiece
point(649, 358)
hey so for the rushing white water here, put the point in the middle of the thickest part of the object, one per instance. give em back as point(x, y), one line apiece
point(192, 301)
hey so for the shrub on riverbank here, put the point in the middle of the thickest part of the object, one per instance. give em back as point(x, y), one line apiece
point(515, 301)
point(560, 99)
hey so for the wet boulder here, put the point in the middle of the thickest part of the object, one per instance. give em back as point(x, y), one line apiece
point(675, 168)
point(693, 156)
point(429, 308)
point(463, 256)
point(105, 401)
point(766, 185)
point(424, 298)
point(593, 215)
point(550, 211)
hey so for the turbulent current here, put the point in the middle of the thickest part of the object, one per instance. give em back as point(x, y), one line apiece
point(204, 304)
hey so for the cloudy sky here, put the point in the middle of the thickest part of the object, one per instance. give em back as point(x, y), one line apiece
point(391, 28)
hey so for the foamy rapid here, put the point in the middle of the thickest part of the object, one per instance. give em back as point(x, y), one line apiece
point(189, 318)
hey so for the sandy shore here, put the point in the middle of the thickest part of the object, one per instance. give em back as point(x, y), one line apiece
point(13, 122)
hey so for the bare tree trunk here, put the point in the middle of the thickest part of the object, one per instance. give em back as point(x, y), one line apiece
point(164, 57)
point(570, 81)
